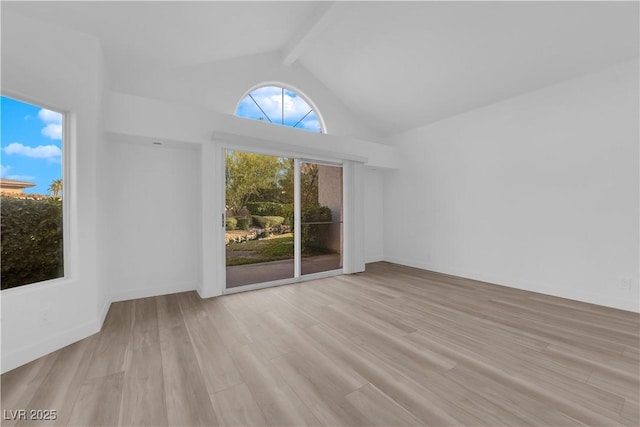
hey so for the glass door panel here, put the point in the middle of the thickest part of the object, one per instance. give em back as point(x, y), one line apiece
point(259, 228)
point(321, 216)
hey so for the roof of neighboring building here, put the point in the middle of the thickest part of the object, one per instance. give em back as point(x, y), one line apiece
point(11, 183)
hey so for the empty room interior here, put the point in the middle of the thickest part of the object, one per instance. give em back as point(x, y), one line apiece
point(333, 213)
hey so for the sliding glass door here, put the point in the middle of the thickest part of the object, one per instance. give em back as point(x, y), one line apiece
point(259, 228)
point(320, 217)
point(283, 218)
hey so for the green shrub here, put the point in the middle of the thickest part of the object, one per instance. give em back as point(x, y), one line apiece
point(230, 223)
point(243, 223)
point(287, 213)
point(316, 214)
point(31, 245)
point(314, 236)
point(266, 208)
point(284, 210)
point(267, 221)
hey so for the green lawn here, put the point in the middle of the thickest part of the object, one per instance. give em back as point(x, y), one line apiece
point(263, 250)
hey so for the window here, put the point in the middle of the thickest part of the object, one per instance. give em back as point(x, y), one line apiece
point(32, 193)
point(281, 106)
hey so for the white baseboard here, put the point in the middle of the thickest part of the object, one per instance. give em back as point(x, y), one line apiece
point(208, 292)
point(103, 313)
point(31, 352)
point(375, 258)
point(541, 288)
point(136, 293)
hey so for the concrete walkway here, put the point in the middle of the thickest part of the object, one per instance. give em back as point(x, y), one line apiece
point(239, 275)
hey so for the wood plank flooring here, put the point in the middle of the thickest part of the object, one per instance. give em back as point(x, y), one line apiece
point(393, 346)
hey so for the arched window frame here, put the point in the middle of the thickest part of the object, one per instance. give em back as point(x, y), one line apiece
point(298, 92)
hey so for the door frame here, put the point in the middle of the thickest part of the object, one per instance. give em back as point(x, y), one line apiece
point(298, 158)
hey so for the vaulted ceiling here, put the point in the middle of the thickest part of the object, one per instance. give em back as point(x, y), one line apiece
point(396, 65)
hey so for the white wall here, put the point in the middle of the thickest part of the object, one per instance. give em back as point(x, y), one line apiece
point(130, 117)
point(61, 69)
point(154, 210)
point(373, 214)
point(134, 115)
point(538, 192)
point(103, 178)
point(220, 85)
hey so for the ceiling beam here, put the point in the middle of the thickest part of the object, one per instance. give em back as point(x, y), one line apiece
point(301, 40)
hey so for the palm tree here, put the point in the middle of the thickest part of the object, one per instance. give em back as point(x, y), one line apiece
point(56, 187)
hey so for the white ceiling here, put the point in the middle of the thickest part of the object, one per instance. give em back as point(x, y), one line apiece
point(415, 63)
point(397, 65)
point(176, 33)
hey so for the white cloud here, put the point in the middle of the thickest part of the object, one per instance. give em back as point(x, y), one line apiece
point(49, 116)
point(311, 124)
point(49, 152)
point(270, 99)
point(52, 130)
point(4, 173)
point(53, 123)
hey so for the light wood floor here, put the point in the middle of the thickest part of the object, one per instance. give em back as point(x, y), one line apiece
point(392, 346)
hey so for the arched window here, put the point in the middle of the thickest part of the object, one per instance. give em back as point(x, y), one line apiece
point(281, 106)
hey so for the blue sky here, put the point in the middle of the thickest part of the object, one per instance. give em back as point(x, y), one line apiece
point(31, 144)
point(270, 100)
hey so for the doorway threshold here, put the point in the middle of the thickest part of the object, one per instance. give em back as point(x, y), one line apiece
point(289, 281)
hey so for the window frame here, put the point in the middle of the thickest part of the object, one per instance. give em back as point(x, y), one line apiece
point(69, 194)
point(298, 92)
